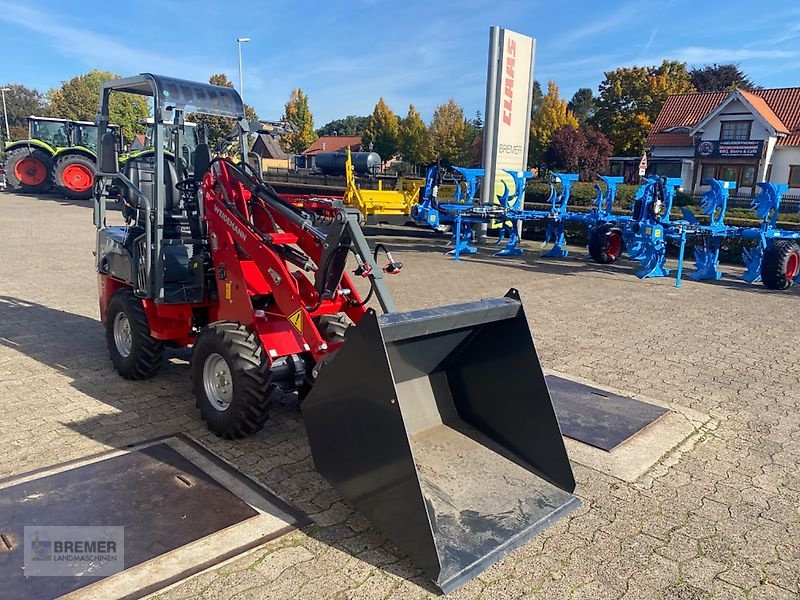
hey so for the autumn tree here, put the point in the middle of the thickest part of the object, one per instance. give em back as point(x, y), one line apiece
point(631, 98)
point(584, 150)
point(582, 105)
point(413, 137)
point(21, 102)
point(382, 131)
point(298, 114)
point(553, 114)
point(720, 78)
point(219, 127)
point(449, 134)
point(79, 97)
point(350, 125)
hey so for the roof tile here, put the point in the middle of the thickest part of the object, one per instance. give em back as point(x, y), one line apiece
point(332, 143)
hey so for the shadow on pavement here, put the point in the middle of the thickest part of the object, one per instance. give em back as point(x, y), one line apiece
point(278, 456)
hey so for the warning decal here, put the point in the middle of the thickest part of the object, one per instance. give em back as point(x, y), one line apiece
point(296, 319)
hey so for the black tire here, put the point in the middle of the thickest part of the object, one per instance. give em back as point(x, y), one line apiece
point(144, 358)
point(70, 174)
point(248, 380)
point(780, 265)
point(38, 177)
point(605, 244)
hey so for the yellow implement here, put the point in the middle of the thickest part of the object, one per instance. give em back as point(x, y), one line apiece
point(380, 202)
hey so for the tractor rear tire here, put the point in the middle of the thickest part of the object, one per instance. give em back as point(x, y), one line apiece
point(780, 265)
point(232, 380)
point(605, 244)
point(29, 170)
point(134, 352)
point(73, 176)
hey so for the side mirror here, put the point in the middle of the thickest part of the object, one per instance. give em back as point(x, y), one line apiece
point(109, 156)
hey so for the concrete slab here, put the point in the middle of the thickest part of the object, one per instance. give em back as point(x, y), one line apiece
point(634, 457)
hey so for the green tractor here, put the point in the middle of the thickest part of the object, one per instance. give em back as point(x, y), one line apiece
point(59, 153)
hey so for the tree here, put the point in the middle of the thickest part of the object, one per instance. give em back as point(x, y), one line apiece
point(350, 125)
point(21, 102)
point(631, 98)
point(298, 114)
point(449, 135)
point(79, 97)
point(219, 127)
point(382, 131)
point(477, 122)
point(413, 137)
point(584, 150)
point(553, 114)
point(537, 96)
point(720, 78)
point(597, 151)
point(582, 105)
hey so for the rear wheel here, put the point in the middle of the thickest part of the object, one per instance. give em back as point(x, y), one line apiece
point(28, 170)
point(231, 380)
point(135, 353)
point(780, 265)
point(73, 175)
point(605, 244)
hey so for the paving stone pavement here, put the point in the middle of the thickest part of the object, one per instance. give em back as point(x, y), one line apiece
point(720, 519)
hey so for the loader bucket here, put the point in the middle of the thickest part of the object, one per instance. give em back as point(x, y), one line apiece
point(437, 425)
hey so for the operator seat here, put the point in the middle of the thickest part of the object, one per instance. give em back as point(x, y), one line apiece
point(141, 172)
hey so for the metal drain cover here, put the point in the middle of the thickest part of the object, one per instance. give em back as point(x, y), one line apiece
point(183, 510)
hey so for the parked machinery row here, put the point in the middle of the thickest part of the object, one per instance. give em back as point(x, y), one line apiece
point(771, 254)
point(60, 155)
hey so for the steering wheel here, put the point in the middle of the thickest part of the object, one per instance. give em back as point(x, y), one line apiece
point(189, 184)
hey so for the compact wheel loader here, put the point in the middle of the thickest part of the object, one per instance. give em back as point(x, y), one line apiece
point(405, 413)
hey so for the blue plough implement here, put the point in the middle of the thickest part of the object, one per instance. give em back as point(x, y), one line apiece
point(774, 259)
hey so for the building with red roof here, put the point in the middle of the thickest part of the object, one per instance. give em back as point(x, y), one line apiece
point(741, 136)
point(329, 143)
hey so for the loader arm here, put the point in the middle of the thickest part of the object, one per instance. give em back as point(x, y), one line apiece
point(254, 236)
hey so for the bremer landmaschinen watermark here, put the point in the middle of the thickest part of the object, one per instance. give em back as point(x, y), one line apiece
point(74, 551)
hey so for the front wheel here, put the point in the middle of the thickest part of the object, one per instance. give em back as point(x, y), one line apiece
point(231, 380)
point(73, 174)
point(780, 265)
point(134, 352)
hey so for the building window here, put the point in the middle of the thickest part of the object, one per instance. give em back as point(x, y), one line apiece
point(769, 172)
point(666, 169)
point(794, 176)
point(709, 172)
point(748, 176)
point(735, 130)
point(728, 173)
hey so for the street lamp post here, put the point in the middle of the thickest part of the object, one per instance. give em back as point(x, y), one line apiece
point(239, 42)
point(5, 112)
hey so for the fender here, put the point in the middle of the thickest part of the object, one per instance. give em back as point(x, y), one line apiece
point(31, 144)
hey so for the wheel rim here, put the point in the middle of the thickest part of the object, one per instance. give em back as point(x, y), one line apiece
point(614, 245)
point(77, 177)
point(30, 171)
point(792, 266)
point(217, 382)
point(123, 335)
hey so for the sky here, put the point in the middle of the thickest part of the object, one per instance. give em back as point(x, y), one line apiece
point(346, 55)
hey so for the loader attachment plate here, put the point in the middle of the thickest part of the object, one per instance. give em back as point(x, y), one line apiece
point(437, 425)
